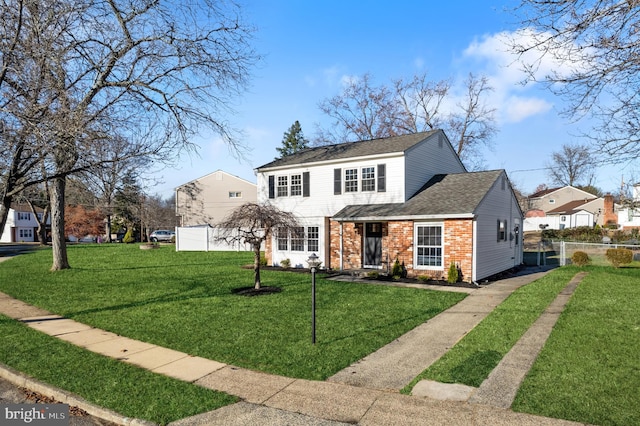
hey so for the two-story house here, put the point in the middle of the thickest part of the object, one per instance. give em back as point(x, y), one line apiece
point(365, 204)
point(568, 207)
point(22, 226)
point(210, 198)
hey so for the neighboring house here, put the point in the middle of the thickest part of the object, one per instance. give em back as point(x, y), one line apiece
point(366, 204)
point(553, 198)
point(21, 226)
point(568, 207)
point(208, 199)
point(572, 215)
point(629, 215)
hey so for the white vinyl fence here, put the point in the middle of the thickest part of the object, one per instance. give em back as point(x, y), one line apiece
point(204, 238)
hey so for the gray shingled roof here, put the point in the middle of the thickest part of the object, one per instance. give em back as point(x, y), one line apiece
point(452, 194)
point(351, 149)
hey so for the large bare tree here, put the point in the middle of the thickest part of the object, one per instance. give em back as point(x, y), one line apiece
point(78, 74)
point(595, 49)
point(365, 111)
point(572, 165)
point(252, 224)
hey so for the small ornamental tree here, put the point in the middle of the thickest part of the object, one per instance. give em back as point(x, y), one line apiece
point(252, 224)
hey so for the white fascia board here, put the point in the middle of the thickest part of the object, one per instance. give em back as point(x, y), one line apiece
point(329, 162)
point(414, 217)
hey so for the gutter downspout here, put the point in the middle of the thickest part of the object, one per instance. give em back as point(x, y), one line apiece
point(341, 246)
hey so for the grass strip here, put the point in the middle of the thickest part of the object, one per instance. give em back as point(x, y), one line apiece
point(124, 388)
point(185, 301)
point(473, 358)
point(588, 371)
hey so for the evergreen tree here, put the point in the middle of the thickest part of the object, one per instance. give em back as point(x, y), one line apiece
point(293, 140)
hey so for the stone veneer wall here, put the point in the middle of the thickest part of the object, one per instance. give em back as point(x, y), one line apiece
point(397, 242)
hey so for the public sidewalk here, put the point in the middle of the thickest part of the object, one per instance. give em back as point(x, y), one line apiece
point(364, 394)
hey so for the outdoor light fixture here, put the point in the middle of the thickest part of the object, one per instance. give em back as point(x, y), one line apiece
point(313, 265)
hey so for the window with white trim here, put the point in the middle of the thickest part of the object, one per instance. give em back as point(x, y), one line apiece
point(283, 186)
point(297, 239)
point(368, 179)
point(313, 238)
point(296, 185)
point(25, 233)
point(283, 239)
point(429, 246)
point(235, 194)
point(351, 180)
point(24, 216)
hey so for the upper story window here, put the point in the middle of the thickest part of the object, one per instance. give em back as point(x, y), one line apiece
point(293, 185)
point(283, 186)
point(351, 180)
point(39, 216)
point(235, 194)
point(552, 201)
point(373, 178)
point(24, 216)
point(368, 179)
point(296, 185)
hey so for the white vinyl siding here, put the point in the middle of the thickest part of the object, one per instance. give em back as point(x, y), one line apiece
point(425, 160)
point(495, 252)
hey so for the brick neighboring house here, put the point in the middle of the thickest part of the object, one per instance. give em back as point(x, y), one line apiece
point(365, 204)
point(21, 226)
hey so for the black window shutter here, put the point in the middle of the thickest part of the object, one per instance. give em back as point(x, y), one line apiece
point(337, 181)
point(305, 184)
point(382, 178)
point(272, 187)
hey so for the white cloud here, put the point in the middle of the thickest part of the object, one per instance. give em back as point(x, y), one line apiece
point(513, 100)
point(516, 108)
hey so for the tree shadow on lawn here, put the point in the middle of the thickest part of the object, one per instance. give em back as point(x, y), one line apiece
point(252, 291)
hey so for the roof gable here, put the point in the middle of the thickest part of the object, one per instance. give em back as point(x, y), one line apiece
point(571, 207)
point(395, 144)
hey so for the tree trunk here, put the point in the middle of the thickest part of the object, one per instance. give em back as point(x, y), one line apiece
point(4, 211)
point(108, 228)
point(58, 243)
point(256, 266)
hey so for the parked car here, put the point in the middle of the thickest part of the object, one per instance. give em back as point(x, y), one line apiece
point(162, 235)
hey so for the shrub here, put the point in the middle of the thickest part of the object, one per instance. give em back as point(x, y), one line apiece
point(452, 276)
point(424, 278)
point(128, 237)
point(580, 258)
point(396, 271)
point(619, 256)
point(373, 275)
point(285, 263)
point(263, 260)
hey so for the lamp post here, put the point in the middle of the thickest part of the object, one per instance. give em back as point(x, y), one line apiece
point(313, 264)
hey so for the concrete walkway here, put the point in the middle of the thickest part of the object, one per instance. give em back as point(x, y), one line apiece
point(364, 394)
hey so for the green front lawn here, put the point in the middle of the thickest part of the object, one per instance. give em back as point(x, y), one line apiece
point(122, 387)
point(185, 301)
point(589, 369)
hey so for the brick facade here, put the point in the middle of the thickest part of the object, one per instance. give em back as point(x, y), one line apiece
point(397, 243)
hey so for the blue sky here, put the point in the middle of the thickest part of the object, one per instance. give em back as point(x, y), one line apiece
point(310, 47)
